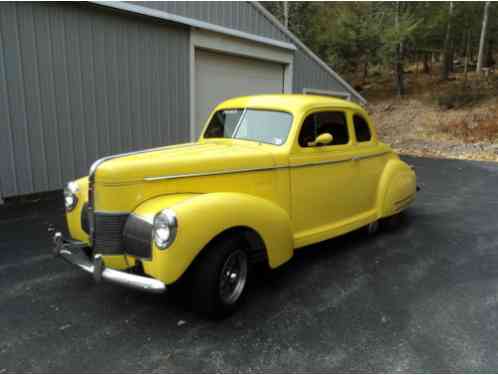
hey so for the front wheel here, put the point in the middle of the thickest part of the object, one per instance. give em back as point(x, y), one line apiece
point(220, 278)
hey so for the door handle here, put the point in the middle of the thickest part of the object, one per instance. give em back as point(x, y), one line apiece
point(355, 158)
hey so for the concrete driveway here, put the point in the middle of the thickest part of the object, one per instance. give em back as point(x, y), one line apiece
point(422, 298)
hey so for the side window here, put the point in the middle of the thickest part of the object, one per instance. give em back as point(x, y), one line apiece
point(361, 129)
point(318, 123)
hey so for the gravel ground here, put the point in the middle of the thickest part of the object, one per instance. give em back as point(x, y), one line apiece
point(413, 127)
point(418, 299)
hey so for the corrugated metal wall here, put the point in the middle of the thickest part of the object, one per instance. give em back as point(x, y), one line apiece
point(79, 82)
point(309, 74)
point(234, 15)
point(245, 17)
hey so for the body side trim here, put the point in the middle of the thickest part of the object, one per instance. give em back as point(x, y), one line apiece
point(231, 171)
point(201, 174)
point(371, 155)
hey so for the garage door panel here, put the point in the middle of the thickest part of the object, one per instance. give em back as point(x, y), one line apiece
point(220, 76)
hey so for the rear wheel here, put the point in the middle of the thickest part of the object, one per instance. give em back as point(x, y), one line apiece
point(392, 222)
point(372, 228)
point(219, 278)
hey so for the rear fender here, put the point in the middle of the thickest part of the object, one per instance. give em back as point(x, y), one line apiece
point(201, 217)
point(397, 188)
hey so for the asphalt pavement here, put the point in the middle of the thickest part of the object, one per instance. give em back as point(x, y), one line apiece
point(421, 298)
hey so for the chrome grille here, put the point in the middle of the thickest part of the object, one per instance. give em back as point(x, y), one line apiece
point(90, 211)
point(108, 233)
point(138, 237)
point(85, 225)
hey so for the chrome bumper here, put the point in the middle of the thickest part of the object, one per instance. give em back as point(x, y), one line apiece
point(73, 252)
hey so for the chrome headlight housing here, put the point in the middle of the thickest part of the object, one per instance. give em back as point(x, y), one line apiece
point(71, 195)
point(164, 228)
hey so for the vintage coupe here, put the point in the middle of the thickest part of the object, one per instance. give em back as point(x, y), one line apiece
point(269, 175)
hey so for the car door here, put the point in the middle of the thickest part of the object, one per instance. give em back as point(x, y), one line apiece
point(368, 163)
point(321, 177)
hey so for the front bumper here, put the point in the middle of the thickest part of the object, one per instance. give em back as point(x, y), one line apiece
point(74, 253)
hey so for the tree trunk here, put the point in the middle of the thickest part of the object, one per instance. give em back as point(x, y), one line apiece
point(489, 55)
point(445, 69)
point(426, 68)
point(286, 14)
point(398, 63)
point(482, 40)
point(365, 71)
point(451, 57)
point(467, 55)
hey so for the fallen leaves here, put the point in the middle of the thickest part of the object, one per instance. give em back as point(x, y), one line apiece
point(413, 127)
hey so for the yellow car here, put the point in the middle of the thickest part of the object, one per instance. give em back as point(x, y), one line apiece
point(269, 175)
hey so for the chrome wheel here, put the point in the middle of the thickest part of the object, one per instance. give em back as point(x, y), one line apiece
point(233, 277)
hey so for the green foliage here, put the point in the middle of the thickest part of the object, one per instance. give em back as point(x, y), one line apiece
point(398, 27)
point(301, 18)
point(432, 18)
point(349, 35)
point(354, 36)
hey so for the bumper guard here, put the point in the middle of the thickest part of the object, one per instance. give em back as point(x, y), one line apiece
point(74, 253)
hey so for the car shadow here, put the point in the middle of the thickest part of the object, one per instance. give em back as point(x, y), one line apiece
point(317, 265)
point(331, 251)
point(326, 261)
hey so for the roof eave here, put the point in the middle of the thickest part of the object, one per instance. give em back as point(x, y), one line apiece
point(191, 22)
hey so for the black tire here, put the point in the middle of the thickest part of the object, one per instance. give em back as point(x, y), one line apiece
point(208, 297)
point(372, 228)
point(392, 222)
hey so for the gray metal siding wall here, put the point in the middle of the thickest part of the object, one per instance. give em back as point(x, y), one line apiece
point(78, 82)
point(309, 74)
point(231, 14)
point(245, 17)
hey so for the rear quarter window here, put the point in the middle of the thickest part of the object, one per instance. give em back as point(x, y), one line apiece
point(361, 129)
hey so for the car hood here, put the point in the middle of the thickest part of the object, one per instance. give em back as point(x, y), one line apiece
point(191, 159)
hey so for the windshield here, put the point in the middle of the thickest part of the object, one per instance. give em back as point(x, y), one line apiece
point(251, 124)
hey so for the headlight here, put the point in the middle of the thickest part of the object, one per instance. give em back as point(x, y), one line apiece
point(164, 231)
point(70, 195)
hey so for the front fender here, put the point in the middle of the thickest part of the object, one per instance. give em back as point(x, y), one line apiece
point(73, 218)
point(201, 217)
point(397, 188)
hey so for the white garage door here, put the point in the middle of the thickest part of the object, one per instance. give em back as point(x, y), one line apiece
point(220, 76)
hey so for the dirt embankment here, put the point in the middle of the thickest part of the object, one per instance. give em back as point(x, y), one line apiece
point(412, 126)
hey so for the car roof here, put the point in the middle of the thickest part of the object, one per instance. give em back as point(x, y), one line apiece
point(288, 102)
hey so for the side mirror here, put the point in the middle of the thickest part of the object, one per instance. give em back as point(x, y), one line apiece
point(322, 139)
